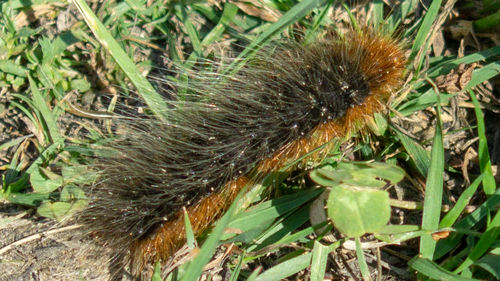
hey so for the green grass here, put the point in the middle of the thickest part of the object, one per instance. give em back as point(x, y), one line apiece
point(111, 51)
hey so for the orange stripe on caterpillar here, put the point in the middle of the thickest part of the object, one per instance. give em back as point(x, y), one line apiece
point(172, 234)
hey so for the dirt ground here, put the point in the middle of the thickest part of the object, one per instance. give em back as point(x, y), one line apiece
point(41, 249)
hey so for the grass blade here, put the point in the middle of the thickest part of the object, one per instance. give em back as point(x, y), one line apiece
point(484, 73)
point(450, 218)
point(286, 268)
point(41, 105)
point(416, 152)
point(420, 44)
point(195, 268)
point(363, 267)
point(446, 66)
point(318, 263)
point(483, 244)
point(489, 185)
point(444, 246)
point(294, 14)
point(434, 271)
point(434, 189)
point(155, 102)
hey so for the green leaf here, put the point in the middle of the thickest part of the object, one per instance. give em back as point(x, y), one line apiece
point(360, 174)
point(42, 184)
point(434, 271)
point(400, 233)
point(59, 210)
point(254, 274)
point(157, 272)
point(286, 268)
point(52, 49)
point(417, 153)
point(423, 101)
point(491, 263)
point(489, 184)
point(363, 266)
point(398, 228)
point(13, 142)
point(380, 125)
point(358, 211)
point(451, 217)
point(72, 193)
point(270, 210)
point(155, 101)
point(49, 119)
point(27, 199)
point(78, 174)
point(300, 235)
point(195, 268)
point(318, 263)
point(488, 22)
point(433, 189)
point(471, 220)
point(190, 239)
point(447, 66)
point(420, 43)
point(81, 85)
point(281, 229)
point(8, 66)
point(237, 269)
point(293, 15)
point(485, 241)
point(484, 73)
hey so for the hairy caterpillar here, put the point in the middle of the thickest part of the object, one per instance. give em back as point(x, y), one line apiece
point(228, 131)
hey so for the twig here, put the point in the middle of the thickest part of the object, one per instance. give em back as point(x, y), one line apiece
point(36, 236)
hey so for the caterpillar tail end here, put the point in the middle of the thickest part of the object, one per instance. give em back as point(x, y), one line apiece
point(171, 236)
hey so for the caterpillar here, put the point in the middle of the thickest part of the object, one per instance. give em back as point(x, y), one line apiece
point(228, 131)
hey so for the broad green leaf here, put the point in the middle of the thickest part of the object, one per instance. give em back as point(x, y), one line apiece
point(27, 199)
point(360, 174)
point(355, 212)
point(72, 193)
point(59, 210)
point(78, 174)
point(9, 66)
point(42, 184)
